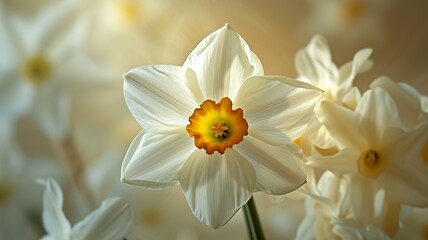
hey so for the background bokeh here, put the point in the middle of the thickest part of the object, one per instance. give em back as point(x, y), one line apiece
point(123, 34)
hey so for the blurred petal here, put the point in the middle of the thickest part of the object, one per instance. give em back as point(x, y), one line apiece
point(406, 178)
point(279, 103)
point(222, 62)
point(216, 186)
point(110, 221)
point(352, 98)
point(313, 62)
point(362, 195)
point(340, 123)
point(376, 112)
point(348, 71)
point(54, 220)
point(153, 160)
point(408, 104)
point(345, 161)
point(160, 97)
point(51, 111)
point(279, 169)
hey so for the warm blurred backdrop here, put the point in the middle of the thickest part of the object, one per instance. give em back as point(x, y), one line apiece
point(84, 147)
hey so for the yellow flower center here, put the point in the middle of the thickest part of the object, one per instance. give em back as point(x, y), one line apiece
point(424, 153)
point(371, 164)
point(5, 191)
point(352, 10)
point(216, 127)
point(129, 11)
point(37, 69)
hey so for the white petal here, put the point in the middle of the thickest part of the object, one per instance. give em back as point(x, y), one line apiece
point(352, 98)
point(341, 163)
point(376, 112)
point(51, 111)
point(159, 97)
point(362, 195)
point(347, 72)
point(16, 96)
point(408, 104)
point(153, 160)
point(216, 186)
point(277, 102)
point(406, 178)
point(110, 221)
point(222, 62)
point(314, 64)
point(279, 169)
point(54, 220)
point(341, 125)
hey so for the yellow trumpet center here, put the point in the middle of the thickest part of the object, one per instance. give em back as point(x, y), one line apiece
point(371, 164)
point(216, 127)
point(37, 69)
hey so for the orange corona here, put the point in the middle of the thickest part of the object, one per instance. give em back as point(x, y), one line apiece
point(216, 127)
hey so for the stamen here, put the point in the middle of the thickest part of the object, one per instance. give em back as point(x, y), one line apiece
point(371, 164)
point(219, 129)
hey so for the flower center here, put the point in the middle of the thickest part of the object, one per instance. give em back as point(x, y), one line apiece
point(352, 10)
point(371, 164)
point(37, 69)
point(216, 127)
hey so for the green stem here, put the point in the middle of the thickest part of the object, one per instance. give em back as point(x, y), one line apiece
point(252, 221)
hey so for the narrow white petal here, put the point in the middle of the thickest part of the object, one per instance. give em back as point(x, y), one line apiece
point(343, 162)
point(352, 98)
point(153, 160)
point(110, 221)
point(408, 103)
point(54, 220)
point(159, 97)
point(375, 113)
point(347, 72)
point(341, 125)
point(281, 102)
point(222, 62)
point(362, 195)
point(279, 169)
point(216, 186)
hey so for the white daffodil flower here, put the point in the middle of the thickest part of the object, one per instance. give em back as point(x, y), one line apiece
point(217, 127)
point(45, 58)
point(375, 153)
point(110, 221)
point(315, 66)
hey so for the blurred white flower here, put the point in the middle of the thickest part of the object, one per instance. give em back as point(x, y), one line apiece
point(375, 153)
point(45, 58)
point(315, 66)
point(347, 19)
point(110, 221)
point(230, 156)
point(18, 194)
